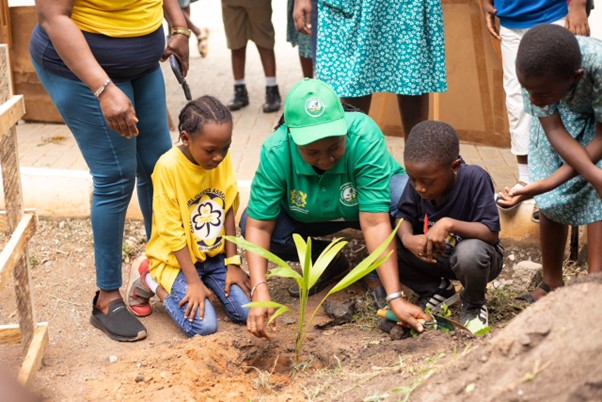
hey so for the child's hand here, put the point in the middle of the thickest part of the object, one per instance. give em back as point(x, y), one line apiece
point(508, 198)
point(436, 237)
point(528, 191)
point(417, 246)
point(195, 297)
point(490, 12)
point(235, 275)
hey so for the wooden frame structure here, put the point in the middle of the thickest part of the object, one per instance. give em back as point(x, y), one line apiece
point(21, 224)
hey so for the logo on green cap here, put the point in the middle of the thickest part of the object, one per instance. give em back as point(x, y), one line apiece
point(314, 107)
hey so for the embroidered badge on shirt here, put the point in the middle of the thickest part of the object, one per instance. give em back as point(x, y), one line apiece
point(348, 196)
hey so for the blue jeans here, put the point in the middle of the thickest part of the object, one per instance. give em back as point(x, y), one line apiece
point(282, 243)
point(115, 162)
point(213, 274)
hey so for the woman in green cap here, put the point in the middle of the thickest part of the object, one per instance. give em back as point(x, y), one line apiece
point(323, 170)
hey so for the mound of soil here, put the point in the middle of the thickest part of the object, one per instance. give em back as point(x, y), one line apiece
point(549, 352)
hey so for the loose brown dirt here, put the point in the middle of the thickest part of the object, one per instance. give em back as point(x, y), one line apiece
point(548, 352)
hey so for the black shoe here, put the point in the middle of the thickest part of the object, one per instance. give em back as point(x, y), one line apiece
point(272, 99)
point(337, 268)
point(241, 98)
point(119, 324)
point(445, 294)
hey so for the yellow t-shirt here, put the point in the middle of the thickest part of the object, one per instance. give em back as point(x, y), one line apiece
point(118, 18)
point(189, 210)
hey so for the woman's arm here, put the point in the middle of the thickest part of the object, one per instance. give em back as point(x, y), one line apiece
point(376, 227)
point(260, 234)
point(55, 17)
point(178, 43)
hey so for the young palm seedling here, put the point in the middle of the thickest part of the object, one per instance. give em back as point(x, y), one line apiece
point(310, 273)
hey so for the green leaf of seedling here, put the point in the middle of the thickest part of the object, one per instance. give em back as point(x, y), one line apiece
point(325, 258)
point(285, 272)
point(304, 253)
point(280, 308)
point(370, 263)
point(260, 251)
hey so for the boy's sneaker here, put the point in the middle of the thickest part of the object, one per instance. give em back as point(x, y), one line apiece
point(445, 294)
point(474, 317)
point(138, 293)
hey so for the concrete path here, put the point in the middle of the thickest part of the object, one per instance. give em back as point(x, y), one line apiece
point(56, 180)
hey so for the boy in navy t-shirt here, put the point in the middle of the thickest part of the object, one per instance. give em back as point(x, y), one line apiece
point(451, 225)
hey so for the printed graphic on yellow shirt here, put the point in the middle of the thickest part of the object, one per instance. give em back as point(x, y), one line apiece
point(207, 219)
point(298, 201)
point(348, 195)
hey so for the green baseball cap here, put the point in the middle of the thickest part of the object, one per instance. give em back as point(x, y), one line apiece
point(313, 111)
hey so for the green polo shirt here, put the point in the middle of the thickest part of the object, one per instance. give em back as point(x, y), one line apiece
point(358, 182)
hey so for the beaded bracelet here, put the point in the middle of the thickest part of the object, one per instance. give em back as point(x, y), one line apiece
point(182, 31)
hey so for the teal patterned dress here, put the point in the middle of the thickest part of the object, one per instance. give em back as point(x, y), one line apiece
point(367, 46)
point(574, 202)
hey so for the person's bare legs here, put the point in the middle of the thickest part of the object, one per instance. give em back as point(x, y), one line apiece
point(272, 93)
point(238, 62)
point(413, 110)
point(594, 251)
point(268, 61)
point(552, 237)
point(307, 66)
point(362, 102)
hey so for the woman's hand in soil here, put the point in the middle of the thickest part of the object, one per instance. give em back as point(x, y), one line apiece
point(235, 275)
point(195, 297)
point(259, 316)
point(409, 314)
point(118, 111)
point(417, 246)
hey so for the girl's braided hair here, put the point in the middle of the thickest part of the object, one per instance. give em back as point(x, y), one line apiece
point(201, 111)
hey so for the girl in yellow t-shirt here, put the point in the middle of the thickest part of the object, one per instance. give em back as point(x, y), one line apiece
point(194, 203)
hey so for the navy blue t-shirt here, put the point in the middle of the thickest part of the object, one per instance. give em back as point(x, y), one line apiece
point(470, 200)
point(121, 58)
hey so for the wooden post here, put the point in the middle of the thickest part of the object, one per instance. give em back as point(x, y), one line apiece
point(14, 257)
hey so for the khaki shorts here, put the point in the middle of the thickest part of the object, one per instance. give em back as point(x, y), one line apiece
point(246, 20)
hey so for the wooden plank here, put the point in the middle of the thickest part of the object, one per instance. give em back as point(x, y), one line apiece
point(5, 25)
point(10, 334)
point(6, 78)
point(4, 221)
point(10, 113)
point(15, 248)
point(35, 353)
